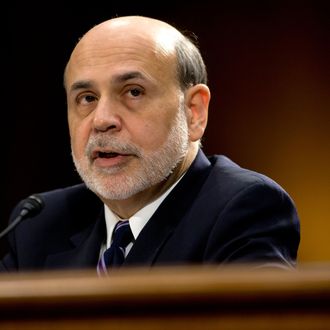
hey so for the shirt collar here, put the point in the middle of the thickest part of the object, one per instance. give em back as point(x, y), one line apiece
point(138, 220)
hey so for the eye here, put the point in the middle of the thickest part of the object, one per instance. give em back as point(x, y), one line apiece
point(89, 98)
point(85, 99)
point(135, 92)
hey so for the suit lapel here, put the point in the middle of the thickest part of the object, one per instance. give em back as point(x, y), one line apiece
point(85, 248)
point(164, 221)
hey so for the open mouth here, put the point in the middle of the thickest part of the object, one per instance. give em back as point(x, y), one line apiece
point(107, 154)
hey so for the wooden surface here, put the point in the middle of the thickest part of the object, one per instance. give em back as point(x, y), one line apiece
point(168, 298)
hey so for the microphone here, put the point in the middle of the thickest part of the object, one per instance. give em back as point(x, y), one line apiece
point(31, 207)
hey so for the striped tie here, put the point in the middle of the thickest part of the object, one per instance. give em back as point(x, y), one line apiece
point(114, 256)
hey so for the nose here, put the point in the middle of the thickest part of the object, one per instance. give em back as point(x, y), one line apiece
point(105, 117)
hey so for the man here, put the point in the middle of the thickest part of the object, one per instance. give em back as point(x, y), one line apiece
point(137, 110)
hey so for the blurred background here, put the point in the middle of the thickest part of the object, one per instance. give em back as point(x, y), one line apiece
point(269, 73)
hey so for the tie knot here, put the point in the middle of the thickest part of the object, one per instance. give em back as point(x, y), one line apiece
point(122, 234)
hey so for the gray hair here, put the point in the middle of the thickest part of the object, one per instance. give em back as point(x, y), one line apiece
point(190, 64)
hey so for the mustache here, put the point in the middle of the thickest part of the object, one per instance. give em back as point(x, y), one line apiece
point(110, 143)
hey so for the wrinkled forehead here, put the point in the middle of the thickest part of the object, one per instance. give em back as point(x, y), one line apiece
point(123, 41)
point(131, 52)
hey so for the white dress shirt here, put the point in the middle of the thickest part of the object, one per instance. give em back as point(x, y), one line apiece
point(137, 221)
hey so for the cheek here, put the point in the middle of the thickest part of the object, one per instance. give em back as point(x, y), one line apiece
point(79, 133)
point(150, 135)
point(151, 132)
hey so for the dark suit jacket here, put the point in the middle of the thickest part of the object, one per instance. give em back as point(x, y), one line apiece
point(218, 213)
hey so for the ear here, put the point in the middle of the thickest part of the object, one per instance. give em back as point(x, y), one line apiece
point(197, 105)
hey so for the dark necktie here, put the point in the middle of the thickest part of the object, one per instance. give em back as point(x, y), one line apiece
point(114, 256)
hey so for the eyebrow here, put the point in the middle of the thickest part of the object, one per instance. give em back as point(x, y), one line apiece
point(120, 78)
point(81, 84)
point(128, 75)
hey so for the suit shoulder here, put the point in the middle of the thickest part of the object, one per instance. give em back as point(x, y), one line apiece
point(72, 197)
point(75, 191)
point(67, 198)
point(230, 175)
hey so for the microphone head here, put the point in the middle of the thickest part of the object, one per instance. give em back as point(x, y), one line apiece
point(30, 207)
point(33, 205)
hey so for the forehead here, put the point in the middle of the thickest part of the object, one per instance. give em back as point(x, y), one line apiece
point(110, 50)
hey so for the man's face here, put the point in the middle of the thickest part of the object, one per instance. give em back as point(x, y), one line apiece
point(126, 115)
